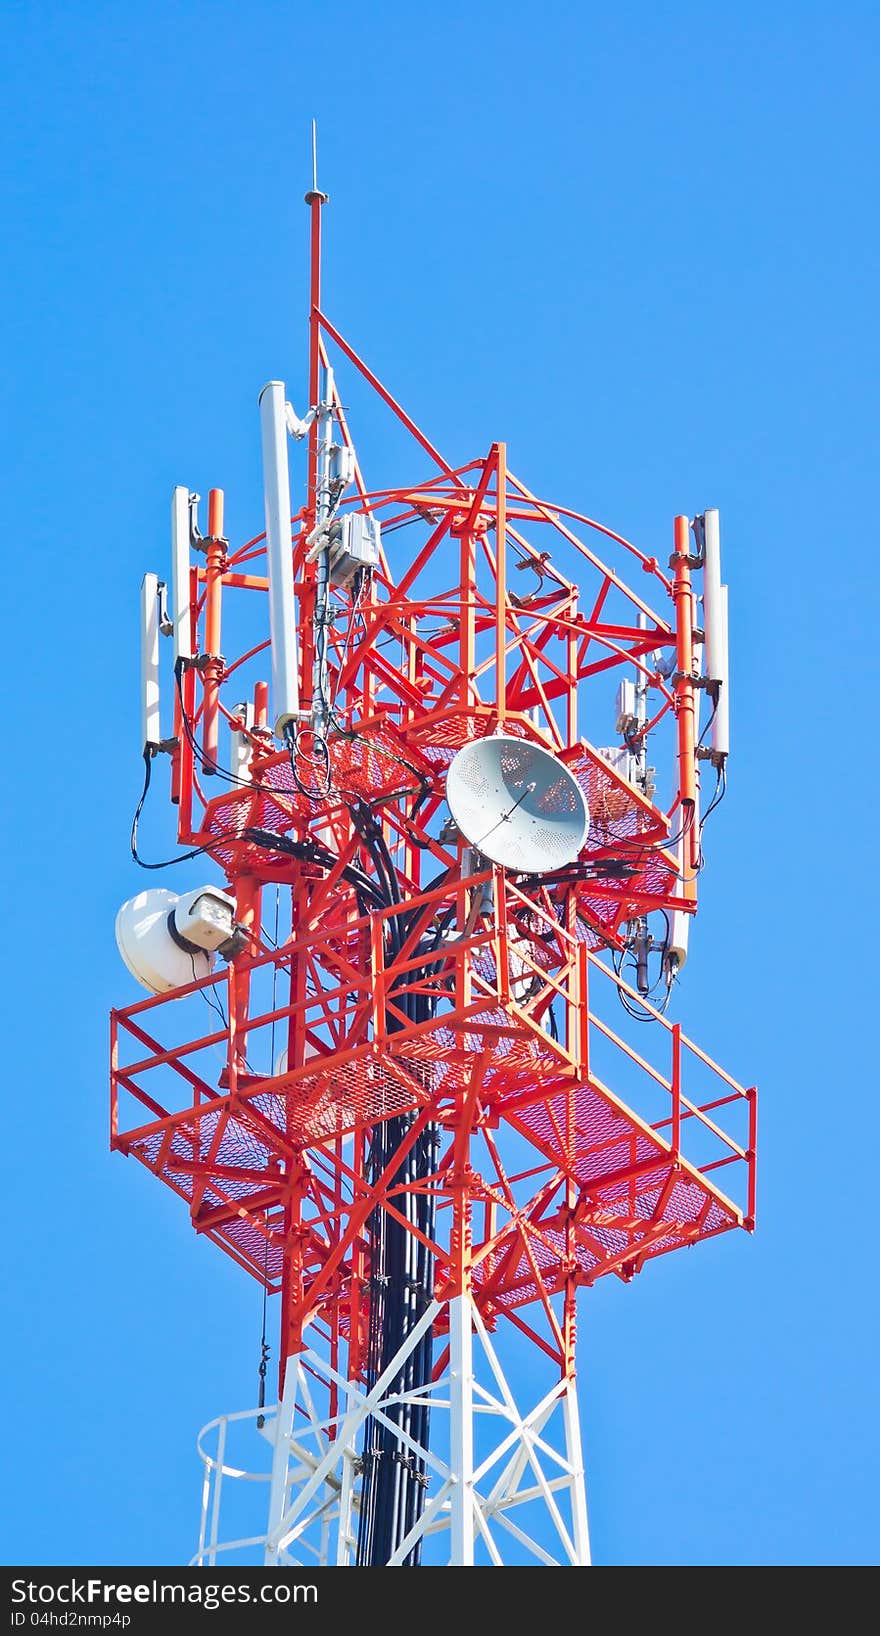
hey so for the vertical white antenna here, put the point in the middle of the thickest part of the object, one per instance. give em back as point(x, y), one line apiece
point(713, 647)
point(721, 719)
point(151, 731)
point(180, 544)
point(282, 607)
point(314, 156)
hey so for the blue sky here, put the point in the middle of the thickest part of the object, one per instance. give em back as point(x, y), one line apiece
point(638, 243)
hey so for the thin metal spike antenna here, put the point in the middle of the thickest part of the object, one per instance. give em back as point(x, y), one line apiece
point(458, 1136)
point(314, 195)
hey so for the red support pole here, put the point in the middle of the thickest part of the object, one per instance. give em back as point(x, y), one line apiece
point(582, 988)
point(183, 725)
point(290, 1339)
point(315, 202)
point(467, 624)
point(676, 1090)
point(684, 690)
point(501, 583)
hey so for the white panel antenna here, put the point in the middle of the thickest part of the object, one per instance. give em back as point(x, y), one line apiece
point(517, 804)
point(282, 606)
point(180, 562)
point(713, 646)
point(151, 730)
point(721, 721)
point(715, 650)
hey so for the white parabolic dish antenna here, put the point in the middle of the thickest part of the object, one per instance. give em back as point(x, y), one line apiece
point(517, 804)
point(147, 947)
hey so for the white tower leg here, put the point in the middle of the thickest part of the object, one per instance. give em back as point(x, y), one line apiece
point(283, 1431)
point(461, 1431)
point(576, 1460)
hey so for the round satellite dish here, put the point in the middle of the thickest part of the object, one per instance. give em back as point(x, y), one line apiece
point(517, 804)
point(149, 950)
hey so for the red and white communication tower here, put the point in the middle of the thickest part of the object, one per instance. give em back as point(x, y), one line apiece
point(452, 787)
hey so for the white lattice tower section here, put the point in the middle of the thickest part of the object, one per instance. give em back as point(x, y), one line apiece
point(505, 1485)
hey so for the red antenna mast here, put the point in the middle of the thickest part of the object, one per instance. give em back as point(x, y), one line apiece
point(386, 1064)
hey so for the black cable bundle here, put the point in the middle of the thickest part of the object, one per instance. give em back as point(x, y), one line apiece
point(401, 1288)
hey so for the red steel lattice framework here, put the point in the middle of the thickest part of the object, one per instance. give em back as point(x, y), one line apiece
point(544, 1176)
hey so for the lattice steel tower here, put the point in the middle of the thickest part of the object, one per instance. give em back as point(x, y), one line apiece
point(410, 1116)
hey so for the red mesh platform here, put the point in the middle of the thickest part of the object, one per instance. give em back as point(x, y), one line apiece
point(228, 1155)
